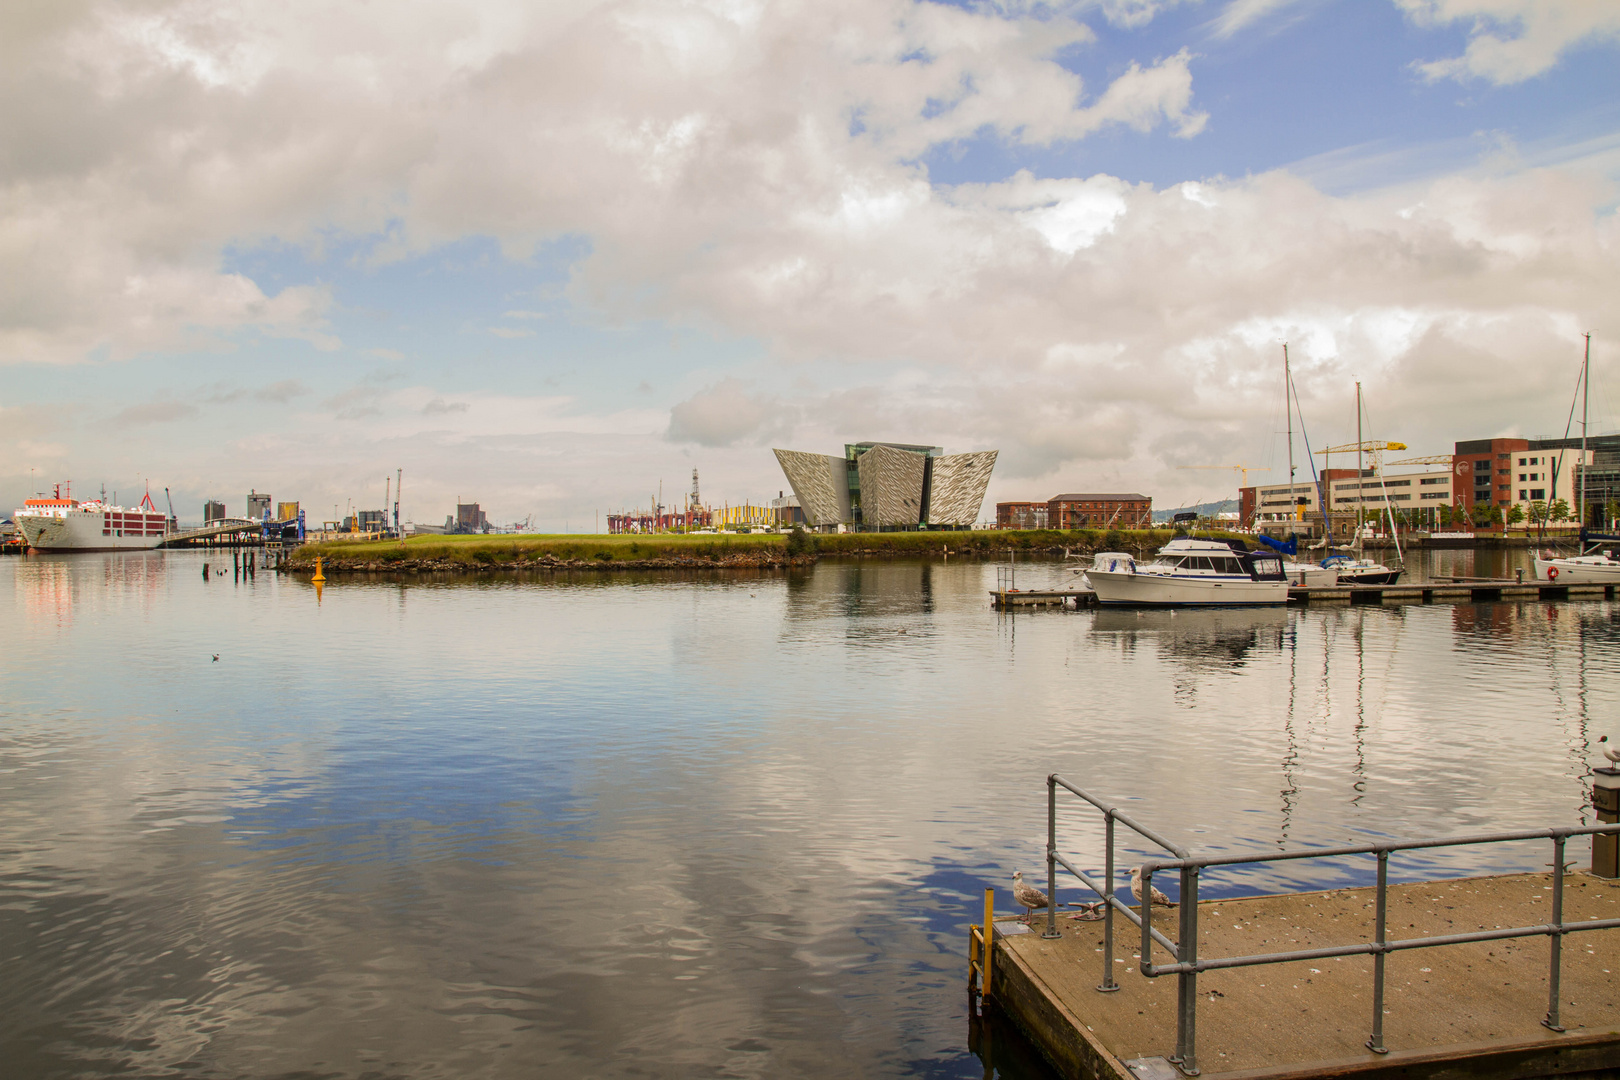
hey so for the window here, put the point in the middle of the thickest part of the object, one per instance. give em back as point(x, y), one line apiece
point(1538, 493)
point(1522, 495)
point(1521, 478)
point(1521, 461)
point(1535, 476)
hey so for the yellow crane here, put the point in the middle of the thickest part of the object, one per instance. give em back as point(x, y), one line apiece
point(1244, 469)
point(1375, 447)
point(1428, 459)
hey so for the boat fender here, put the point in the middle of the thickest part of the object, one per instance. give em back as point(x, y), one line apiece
point(1552, 573)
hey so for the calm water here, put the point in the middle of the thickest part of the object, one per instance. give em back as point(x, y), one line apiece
point(730, 826)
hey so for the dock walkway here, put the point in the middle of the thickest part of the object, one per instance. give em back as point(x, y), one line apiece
point(1466, 1010)
point(1423, 592)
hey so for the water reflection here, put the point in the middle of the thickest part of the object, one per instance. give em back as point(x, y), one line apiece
point(713, 823)
point(1200, 640)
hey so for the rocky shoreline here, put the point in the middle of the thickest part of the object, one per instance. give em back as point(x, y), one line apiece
point(749, 560)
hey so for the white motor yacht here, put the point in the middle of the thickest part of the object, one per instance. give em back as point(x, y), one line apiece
point(1593, 568)
point(1190, 572)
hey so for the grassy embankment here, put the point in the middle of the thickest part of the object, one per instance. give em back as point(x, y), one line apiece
point(755, 549)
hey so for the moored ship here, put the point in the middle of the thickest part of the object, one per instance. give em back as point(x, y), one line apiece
point(62, 523)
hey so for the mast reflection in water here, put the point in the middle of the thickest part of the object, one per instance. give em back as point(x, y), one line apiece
point(612, 825)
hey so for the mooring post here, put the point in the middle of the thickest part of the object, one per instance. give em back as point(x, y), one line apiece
point(205, 571)
point(1606, 804)
point(989, 938)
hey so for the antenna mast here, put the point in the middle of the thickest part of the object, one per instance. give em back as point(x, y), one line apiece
point(399, 484)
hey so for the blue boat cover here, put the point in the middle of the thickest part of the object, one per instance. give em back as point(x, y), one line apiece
point(1290, 548)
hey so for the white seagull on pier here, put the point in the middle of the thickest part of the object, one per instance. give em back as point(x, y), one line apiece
point(1610, 752)
point(1027, 896)
point(1136, 889)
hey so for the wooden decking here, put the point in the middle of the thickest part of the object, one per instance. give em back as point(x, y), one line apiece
point(1470, 1010)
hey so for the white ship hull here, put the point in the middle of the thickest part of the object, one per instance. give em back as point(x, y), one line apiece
point(90, 530)
point(1163, 590)
point(1585, 570)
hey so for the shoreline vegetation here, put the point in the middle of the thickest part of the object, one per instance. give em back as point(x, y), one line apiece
point(695, 551)
point(700, 551)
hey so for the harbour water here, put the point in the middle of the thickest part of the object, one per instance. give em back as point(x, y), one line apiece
point(725, 825)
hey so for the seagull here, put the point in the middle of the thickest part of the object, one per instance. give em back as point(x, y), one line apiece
point(1610, 752)
point(1027, 897)
point(216, 658)
point(1136, 889)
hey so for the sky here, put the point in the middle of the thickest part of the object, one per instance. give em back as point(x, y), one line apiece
point(554, 257)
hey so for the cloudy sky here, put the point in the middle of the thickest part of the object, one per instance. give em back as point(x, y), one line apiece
point(548, 255)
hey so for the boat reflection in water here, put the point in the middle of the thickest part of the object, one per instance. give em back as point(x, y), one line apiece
point(1201, 639)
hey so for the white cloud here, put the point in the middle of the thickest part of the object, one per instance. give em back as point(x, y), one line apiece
point(1513, 40)
point(753, 169)
point(1240, 14)
point(727, 413)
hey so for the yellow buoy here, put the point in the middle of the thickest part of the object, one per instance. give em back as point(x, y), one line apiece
point(318, 575)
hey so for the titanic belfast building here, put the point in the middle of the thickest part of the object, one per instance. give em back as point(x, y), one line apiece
point(889, 486)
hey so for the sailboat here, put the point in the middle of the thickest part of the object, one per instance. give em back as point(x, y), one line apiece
point(1593, 566)
point(1358, 569)
point(1300, 575)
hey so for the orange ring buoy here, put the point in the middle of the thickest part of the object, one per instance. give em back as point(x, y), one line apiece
point(1552, 573)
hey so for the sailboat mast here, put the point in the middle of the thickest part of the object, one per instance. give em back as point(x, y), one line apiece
point(1288, 411)
point(1586, 387)
point(1360, 497)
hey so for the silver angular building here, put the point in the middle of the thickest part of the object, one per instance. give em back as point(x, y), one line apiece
point(889, 486)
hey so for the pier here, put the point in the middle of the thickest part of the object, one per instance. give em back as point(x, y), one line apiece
point(1443, 591)
point(1450, 590)
point(1505, 976)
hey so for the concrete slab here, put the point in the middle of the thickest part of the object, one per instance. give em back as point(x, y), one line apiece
point(1470, 1009)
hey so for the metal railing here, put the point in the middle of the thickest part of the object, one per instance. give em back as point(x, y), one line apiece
point(1187, 963)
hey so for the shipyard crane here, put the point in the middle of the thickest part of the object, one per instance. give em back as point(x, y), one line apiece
point(1244, 469)
point(1427, 459)
point(1375, 447)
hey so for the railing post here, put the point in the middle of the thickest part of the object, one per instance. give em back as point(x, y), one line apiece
point(1376, 1043)
point(1108, 984)
point(1051, 858)
point(1557, 936)
point(1187, 981)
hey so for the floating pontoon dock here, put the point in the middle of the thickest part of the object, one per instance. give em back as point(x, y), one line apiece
point(1442, 591)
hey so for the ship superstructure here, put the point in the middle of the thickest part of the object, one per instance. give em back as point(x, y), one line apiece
point(62, 523)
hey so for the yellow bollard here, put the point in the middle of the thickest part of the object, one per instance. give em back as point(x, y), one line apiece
point(989, 936)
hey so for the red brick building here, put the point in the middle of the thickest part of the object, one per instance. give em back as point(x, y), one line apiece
point(1085, 510)
point(1021, 515)
point(1484, 470)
